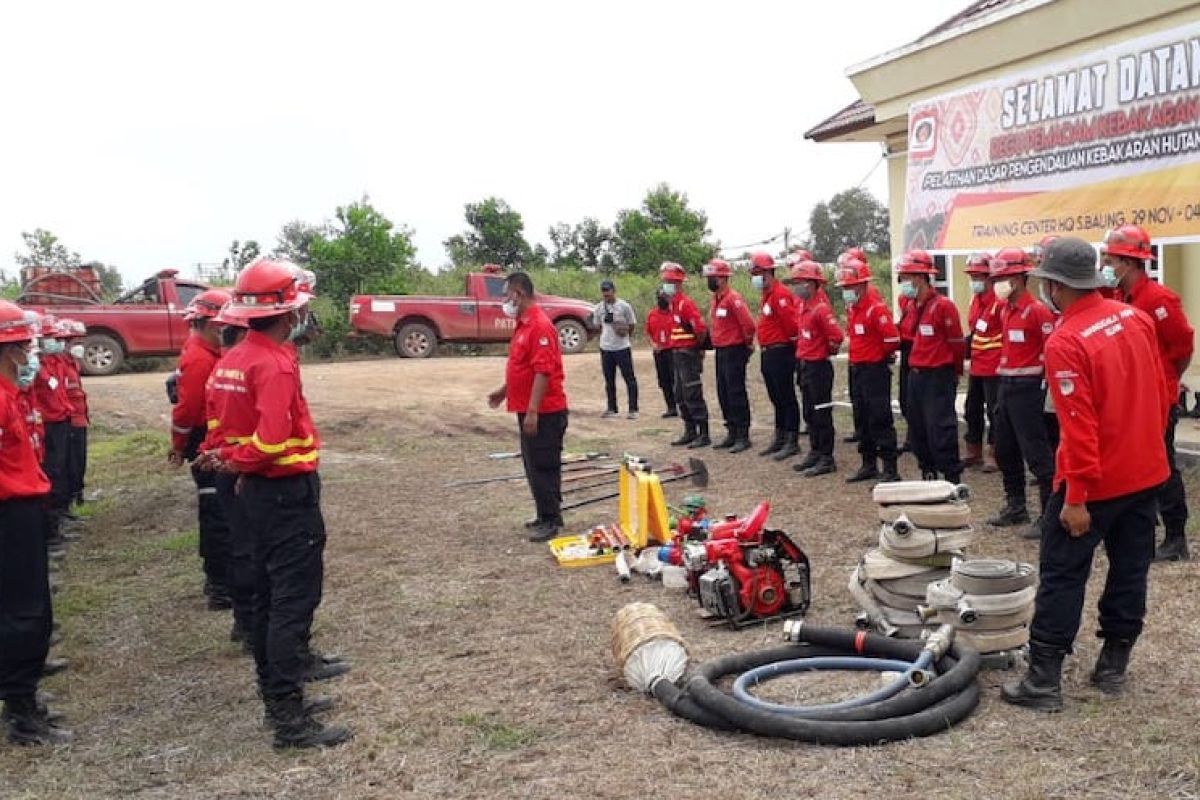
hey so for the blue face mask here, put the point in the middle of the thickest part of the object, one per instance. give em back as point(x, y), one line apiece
point(1109, 275)
point(53, 346)
point(978, 287)
point(908, 289)
point(29, 370)
point(758, 282)
point(850, 296)
point(668, 289)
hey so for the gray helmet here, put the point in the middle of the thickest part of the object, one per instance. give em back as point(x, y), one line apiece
point(1070, 261)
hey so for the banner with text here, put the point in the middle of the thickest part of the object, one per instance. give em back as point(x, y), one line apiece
point(1076, 148)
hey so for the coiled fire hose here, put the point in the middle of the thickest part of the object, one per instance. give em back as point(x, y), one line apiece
point(941, 701)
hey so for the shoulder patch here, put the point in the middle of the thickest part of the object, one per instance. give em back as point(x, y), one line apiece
point(1160, 313)
point(1047, 328)
point(544, 341)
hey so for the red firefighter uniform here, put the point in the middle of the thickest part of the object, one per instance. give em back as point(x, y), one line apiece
point(873, 335)
point(818, 338)
point(818, 334)
point(33, 420)
point(938, 338)
point(534, 351)
point(50, 390)
point(1027, 325)
point(777, 317)
point(21, 473)
point(987, 334)
point(659, 323)
point(688, 323)
point(262, 412)
point(1173, 332)
point(731, 323)
point(196, 363)
point(76, 395)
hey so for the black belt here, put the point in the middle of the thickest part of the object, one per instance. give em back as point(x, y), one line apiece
point(1021, 378)
point(931, 369)
point(777, 345)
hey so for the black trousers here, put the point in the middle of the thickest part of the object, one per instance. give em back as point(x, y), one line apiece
point(731, 386)
point(905, 371)
point(214, 530)
point(284, 518)
point(542, 457)
point(1172, 501)
point(26, 616)
point(778, 365)
point(55, 463)
point(933, 421)
point(980, 412)
point(610, 362)
point(240, 565)
point(664, 369)
point(1126, 527)
point(871, 398)
point(77, 446)
point(816, 389)
point(1021, 437)
point(689, 384)
point(854, 418)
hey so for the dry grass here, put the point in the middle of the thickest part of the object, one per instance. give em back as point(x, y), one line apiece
point(481, 669)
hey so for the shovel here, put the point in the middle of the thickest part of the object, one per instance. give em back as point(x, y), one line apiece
point(697, 473)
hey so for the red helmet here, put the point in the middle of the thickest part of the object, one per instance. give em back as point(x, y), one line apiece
point(761, 262)
point(852, 271)
point(268, 288)
point(207, 304)
point(49, 328)
point(718, 268)
point(14, 325)
point(807, 270)
point(978, 264)
point(671, 272)
point(916, 262)
point(1130, 241)
point(1009, 261)
point(803, 255)
point(230, 315)
point(853, 252)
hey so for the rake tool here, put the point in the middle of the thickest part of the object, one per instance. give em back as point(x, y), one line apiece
point(673, 469)
point(697, 473)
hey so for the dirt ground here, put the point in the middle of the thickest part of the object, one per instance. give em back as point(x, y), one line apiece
point(481, 669)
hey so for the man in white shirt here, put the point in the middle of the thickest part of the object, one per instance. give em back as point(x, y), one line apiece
point(616, 320)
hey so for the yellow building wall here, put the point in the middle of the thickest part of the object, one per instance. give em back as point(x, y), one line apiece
point(1182, 274)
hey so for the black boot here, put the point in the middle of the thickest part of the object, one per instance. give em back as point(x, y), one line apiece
point(743, 441)
point(323, 668)
point(791, 446)
point(1034, 531)
point(868, 471)
point(1173, 548)
point(1013, 513)
point(954, 477)
point(929, 475)
point(851, 439)
point(701, 439)
point(687, 437)
point(809, 461)
point(775, 444)
point(294, 727)
point(729, 440)
point(890, 473)
point(1195, 413)
point(53, 666)
point(670, 412)
point(27, 724)
point(824, 466)
point(1109, 673)
point(1041, 688)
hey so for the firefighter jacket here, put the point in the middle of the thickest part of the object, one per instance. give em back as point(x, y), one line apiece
point(1027, 325)
point(819, 335)
point(729, 320)
point(76, 394)
point(986, 333)
point(1176, 339)
point(907, 323)
point(534, 351)
point(873, 334)
point(20, 473)
point(777, 316)
point(260, 408)
point(196, 363)
point(688, 329)
point(50, 390)
point(1105, 375)
point(658, 328)
point(938, 333)
point(33, 419)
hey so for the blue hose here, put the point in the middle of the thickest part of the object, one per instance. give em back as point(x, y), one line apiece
point(845, 663)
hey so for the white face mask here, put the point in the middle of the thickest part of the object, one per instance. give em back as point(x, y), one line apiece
point(978, 287)
point(668, 289)
point(1003, 289)
point(510, 309)
point(77, 352)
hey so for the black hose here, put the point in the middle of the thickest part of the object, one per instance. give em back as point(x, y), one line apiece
point(945, 700)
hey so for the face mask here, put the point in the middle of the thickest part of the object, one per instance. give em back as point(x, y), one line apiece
point(758, 282)
point(77, 352)
point(908, 289)
point(53, 346)
point(300, 329)
point(668, 289)
point(802, 290)
point(1108, 274)
point(664, 303)
point(713, 284)
point(510, 309)
point(1003, 289)
point(28, 371)
point(850, 296)
point(978, 287)
point(1044, 294)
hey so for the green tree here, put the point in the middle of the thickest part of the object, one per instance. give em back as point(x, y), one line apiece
point(663, 229)
point(362, 252)
point(240, 254)
point(45, 250)
point(849, 219)
point(10, 287)
point(587, 244)
point(495, 234)
point(111, 283)
point(294, 241)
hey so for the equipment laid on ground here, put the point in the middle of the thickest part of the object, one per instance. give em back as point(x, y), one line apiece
point(582, 460)
point(672, 469)
point(697, 473)
point(989, 601)
point(936, 688)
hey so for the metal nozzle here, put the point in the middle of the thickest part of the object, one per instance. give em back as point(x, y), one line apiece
point(939, 641)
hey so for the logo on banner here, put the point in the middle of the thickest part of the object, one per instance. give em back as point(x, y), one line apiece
point(923, 133)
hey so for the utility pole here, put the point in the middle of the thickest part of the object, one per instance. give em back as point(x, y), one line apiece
point(787, 236)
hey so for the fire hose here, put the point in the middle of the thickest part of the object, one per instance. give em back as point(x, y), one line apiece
point(926, 701)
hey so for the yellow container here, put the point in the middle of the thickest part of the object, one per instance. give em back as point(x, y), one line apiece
point(575, 551)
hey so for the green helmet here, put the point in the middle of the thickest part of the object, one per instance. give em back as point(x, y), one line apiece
point(694, 502)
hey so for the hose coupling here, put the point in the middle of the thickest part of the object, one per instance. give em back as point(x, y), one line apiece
point(792, 629)
point(939, 641)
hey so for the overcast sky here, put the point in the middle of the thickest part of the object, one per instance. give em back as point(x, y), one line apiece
point(151, 134)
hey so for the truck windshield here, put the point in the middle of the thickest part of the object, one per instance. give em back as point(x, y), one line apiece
point(495, 286)
point(146, 294)
point(187, 292)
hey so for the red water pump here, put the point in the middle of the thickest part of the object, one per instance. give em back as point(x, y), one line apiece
point(746, 572)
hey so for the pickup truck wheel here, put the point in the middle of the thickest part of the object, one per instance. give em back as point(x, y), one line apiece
point(572, 336)
point(415, 340)
point(102, 355)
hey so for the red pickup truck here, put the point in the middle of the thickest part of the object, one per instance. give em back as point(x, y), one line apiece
point(416, 325)
point(146, 321)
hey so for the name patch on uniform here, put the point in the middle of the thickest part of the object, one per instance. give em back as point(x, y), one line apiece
point(1015, 335)
point(543, 341)
point(1066, 386)
point(859, 329)
point(766, 311)
point(806, 334)
point(722, 312)
point(1161, 312)
point(926, 330)
point(981, 325)
point(1047, 328)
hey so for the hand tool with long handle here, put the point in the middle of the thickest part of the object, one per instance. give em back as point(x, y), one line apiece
point(580, 464)
point(673, 469)
point(697, 473)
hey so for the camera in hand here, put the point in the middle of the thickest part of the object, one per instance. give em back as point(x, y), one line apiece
point(608, 317)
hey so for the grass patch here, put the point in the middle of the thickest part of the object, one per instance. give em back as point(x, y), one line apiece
point(84, 600)
point(128, 445)
point(499, 735)
point(185, 542)
point(94, 508)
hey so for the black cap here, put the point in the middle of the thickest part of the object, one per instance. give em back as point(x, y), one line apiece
point(1072, 262)
point(605, 285)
